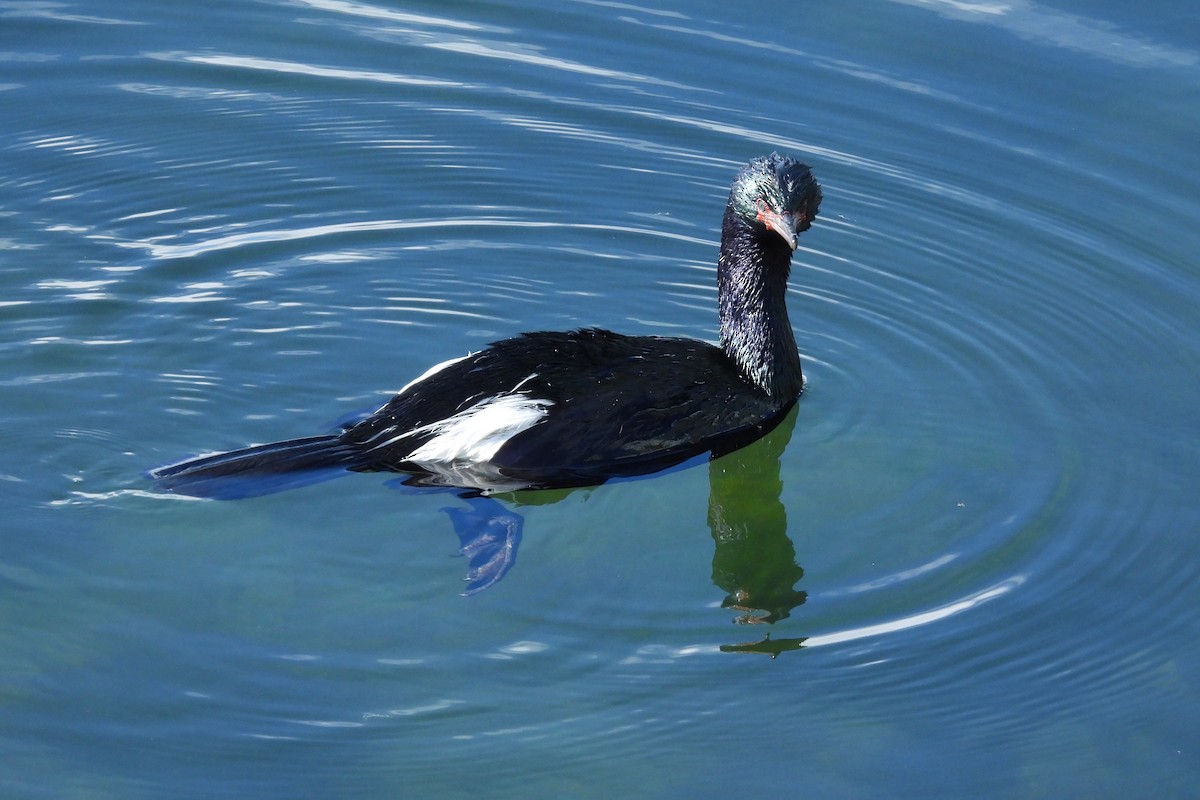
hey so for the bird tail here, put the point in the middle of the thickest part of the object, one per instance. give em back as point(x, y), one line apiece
point(262, 469)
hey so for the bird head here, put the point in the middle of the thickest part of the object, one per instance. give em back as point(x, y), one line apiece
point(776, 193)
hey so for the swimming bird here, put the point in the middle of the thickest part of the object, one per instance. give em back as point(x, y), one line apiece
point(576, 408)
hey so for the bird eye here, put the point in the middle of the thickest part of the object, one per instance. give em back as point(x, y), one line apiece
point(763, 207)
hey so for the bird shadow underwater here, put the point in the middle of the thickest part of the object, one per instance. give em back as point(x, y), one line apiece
point(754, 561)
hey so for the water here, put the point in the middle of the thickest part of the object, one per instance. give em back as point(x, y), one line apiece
point(976, 537)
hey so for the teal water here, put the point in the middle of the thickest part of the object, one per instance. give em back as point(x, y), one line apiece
point(976, 539)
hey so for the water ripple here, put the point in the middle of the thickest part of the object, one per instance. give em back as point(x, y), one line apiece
point(527, 56)
point(916, 620)
point(312, 70)
point(159, 250)
point(391, 15)
point(1039, 23)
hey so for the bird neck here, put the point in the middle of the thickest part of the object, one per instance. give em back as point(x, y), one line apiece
point(752, 274)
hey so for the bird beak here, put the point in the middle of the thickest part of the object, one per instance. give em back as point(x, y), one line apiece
point(782, 223)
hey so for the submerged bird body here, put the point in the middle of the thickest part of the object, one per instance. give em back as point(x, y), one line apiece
point(576, 408)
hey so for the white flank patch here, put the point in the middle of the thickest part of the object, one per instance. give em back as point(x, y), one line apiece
point(475, 434)
point(436, 368)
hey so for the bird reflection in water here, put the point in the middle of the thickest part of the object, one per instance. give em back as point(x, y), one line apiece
point(754, 561)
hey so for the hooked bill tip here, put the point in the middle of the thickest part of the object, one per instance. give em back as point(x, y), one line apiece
point(784, 224)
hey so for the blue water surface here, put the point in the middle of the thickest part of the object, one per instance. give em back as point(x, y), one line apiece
point(967, 566)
